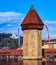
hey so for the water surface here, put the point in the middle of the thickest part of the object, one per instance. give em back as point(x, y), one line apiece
point(26, 62)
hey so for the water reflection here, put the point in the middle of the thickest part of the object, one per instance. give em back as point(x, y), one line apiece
point(50, 63)
point(32, 62)
point(11, 62)
point(26, 62)
point(38, 62)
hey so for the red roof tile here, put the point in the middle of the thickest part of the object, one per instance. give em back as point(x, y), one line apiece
point(50, 49)
point(32, 18)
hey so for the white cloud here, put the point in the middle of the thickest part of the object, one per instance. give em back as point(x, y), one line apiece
point(10, 25)
point(49, 22)
point(10, 16)
point(17, 18)
point(53, 35)
point(12, 20)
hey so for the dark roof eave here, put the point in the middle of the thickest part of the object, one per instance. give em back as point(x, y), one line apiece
point(32, 24)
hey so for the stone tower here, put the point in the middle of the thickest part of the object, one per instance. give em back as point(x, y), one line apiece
point(32, 27)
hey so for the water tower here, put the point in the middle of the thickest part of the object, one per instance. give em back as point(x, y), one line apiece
point(32, 27)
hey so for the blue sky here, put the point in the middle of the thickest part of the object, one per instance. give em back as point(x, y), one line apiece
point(12, 13)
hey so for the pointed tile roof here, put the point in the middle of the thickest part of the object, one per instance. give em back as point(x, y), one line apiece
point(32, 18)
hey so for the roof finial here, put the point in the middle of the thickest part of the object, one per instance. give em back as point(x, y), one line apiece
point(32, 7)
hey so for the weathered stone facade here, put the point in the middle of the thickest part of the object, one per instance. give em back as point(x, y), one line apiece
point(32, 27)
point(32, 43)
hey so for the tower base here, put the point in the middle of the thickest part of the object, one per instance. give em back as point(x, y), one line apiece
point(32, 58)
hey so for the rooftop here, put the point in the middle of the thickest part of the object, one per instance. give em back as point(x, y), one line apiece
point(32, 18)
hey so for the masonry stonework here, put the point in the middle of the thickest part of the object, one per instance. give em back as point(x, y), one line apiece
point(32, 44)
point(32, 35)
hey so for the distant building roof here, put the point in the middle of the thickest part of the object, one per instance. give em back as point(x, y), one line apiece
point(32, 20)
point(52, 41)
point(14, 36)
point(50, 49)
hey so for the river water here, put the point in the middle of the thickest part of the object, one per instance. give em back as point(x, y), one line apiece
point(26, 62)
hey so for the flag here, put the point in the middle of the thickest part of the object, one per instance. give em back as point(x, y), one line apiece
point(48, 37)
point(48, 33)
point(46, 27)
